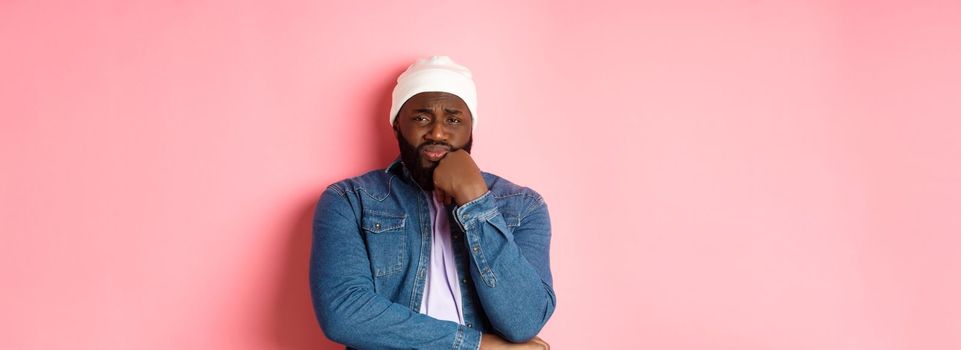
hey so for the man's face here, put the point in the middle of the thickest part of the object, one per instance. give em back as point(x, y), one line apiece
point(429, 125)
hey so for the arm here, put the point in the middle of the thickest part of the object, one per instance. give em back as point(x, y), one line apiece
point(511, 269)
point(342, 288)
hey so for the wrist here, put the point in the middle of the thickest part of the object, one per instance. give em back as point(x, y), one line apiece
point(470, 193)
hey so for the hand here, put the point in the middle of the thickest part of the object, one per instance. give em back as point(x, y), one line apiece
point(458, 178)
point(493, 342)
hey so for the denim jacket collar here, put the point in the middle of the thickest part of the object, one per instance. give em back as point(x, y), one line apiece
point(395, 166)
point(399, 169)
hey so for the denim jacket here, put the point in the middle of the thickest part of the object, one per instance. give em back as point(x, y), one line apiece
point(369, 261)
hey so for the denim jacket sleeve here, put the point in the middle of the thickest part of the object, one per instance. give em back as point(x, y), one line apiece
point(342, 288)
point(511, 268)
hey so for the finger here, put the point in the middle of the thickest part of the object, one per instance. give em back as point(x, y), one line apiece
point(542, 342)
point(533, 344)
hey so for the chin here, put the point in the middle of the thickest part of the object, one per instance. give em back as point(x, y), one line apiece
point(428, 164)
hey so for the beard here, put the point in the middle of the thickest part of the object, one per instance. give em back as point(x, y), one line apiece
point(420, 169)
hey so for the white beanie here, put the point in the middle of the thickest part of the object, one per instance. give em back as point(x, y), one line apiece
point(435, 74)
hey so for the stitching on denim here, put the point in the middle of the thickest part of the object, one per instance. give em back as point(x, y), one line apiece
point(386, 214)
point(396, 266)
point(337, 189)
point(526, 192)
point(488, 214)
point(385, 227)
point(390, 181)
point(533, 205)
point(392, 268)
point(499, 196)
point(493, 278)
point(478, 344)
point(475, 201)
point(422, 262)
point(388, 220)
point(523, 191)
point(458, 338)
point(483, 265)
point(511, 218)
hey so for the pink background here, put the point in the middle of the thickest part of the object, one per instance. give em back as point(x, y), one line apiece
point(721, 174)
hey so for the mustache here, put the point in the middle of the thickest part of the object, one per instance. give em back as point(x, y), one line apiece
point(436, 143)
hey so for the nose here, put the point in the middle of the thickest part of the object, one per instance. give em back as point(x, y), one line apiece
point(437, 132)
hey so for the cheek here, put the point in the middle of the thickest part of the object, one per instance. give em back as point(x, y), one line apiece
point(411, 137)
point(463, 136)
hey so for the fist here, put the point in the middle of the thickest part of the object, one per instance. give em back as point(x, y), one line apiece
point(457, 178)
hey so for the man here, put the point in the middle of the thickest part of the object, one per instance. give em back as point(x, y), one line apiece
point(432, 253)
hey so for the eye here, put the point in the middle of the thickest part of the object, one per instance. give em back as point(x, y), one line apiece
point(420, 118)
point(453, 121)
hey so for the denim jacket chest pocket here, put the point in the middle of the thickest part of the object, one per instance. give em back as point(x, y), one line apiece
point(386, 241)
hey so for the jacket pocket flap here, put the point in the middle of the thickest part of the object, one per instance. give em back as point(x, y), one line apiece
point(381, 222)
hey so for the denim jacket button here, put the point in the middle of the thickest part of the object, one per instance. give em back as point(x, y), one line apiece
point(469, 325)
point(377, 226)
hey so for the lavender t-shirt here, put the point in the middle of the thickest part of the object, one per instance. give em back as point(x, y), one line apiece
point(442, 299)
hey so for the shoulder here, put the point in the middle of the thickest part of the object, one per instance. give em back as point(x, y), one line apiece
point(374, 183)
point(515, 203)
point(503, 189)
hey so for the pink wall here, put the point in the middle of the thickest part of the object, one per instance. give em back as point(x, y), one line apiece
point(721, 174)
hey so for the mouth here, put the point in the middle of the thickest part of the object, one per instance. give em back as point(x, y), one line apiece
point(434, 153)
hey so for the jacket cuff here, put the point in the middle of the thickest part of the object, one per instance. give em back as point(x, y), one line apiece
point(480, 208)
point(467, 338)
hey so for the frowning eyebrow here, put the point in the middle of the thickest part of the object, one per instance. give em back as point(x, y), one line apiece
point(431, 111)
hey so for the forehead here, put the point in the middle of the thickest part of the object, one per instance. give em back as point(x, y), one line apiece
point(435, 99)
